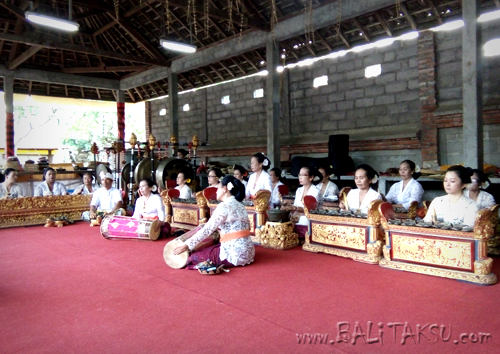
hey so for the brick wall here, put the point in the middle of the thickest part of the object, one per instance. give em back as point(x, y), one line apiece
point(389, 118)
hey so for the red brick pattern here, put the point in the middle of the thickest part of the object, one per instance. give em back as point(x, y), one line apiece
point(456, 120)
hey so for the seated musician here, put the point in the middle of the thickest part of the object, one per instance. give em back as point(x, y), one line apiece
point(259, 179)
point(87, 187)
point(240, 173)
point(275, 174)
point(454, 207)
point(309, 177)
point(182, 186)
point(327, 189)
point(182, 154)
point(9, 188)
point(149, 206)
point(214, 176)
point(475, 190)
point(50, 186)
point(408, 190)
point(358, 199)
point(107, 200)
point(236, 247)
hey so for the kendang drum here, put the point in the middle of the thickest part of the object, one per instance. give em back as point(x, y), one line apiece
point(113, 226)
point(180, 260)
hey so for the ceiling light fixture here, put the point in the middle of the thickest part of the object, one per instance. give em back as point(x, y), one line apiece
point(178, 47)
point(54, 22)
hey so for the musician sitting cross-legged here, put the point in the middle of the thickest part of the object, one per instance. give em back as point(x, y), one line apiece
point(236, 247)
point(107, 200)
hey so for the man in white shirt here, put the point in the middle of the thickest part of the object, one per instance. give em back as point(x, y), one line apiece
point(107, 200)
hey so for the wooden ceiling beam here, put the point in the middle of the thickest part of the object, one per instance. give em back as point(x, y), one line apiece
point(250, 62)
point(204, 72)
point(436, 12)
point(5, 29)
point(148, 47)
point(105, 69)
point(383, 23)
point(86, 14)
point(214, 69)
point(138, 93)
point(325, 42)
point(238, 66)
point(23, 57)
point(185, 78)
point(342, 37)
point(52, 42)
point(227, 69)
point(408, 17)
point(131, 95)
point(362, 29)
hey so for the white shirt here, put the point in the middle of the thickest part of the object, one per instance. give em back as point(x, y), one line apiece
point(484, 200)
point(353, 200)
point(149, 208)
point(412, 192)
point(84, 189)
point(229, 216)
point(331, 190)
point(106, 199)
point(244, 182)
point(275, 195)
point(299, 201)
point(462, 212)
point(264, 182)
point(185, 192)
point(43, 189)
point(16, 191)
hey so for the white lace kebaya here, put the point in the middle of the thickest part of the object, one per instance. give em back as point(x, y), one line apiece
point(229, 216)
point(412, 192)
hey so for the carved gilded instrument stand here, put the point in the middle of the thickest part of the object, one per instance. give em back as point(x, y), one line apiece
point(443, 253)
point(278, 235)
point(356, 238)
point(36, 210)
point(184, 215)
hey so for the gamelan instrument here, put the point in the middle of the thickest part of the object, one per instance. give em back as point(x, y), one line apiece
point(114, 226)
point(165, 169)
point(180, 260)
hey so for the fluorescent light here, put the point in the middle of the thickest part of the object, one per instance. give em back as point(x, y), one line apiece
point(178, 47)
point(489, 16)
point(52, 21)
point(449, 26)
point(492, 48)
point(409, 35)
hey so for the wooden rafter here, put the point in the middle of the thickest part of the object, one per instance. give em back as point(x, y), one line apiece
point(383, 23)
point(52, 42)
point(214, 69)
point(23, 57)
point(435, 11)
point(408, 17)
point(105, 69)
point(361, 29)
point(131, 95)
point(342, 37)
point(204, 72)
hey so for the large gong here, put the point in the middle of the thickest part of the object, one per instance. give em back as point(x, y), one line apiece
point(143, 169)
point(126, 173)
point(169, 168)
point(101, 168)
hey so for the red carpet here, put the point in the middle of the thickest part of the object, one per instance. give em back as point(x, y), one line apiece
point(69, 290)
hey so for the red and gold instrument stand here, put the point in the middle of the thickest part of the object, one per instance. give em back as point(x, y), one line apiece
point(356, 238)
point(184, 215)
point(443, 253)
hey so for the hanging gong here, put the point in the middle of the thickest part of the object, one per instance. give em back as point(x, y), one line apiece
point(126, 173)
point(169, 168)
point(143, 169)
point(101, 168)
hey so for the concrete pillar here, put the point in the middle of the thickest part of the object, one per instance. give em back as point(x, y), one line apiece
point(472, 86)
point(120, 110)
point(8, 87)
point(173, 104)
point(273, 103)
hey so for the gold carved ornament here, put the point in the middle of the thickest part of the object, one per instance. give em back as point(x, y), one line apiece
point(261, 200)
point(186, 216)
point(167, 202)
point(373, 213)
point(279, 236)
point(202, 203)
